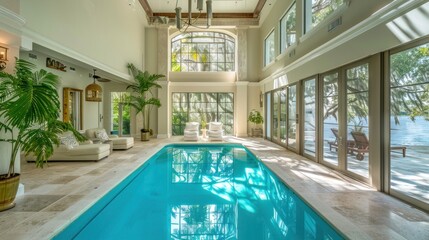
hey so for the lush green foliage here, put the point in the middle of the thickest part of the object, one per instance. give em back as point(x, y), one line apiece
point(202, 51)
point(255, 117)
point(121, 99)
point(143, 99)
point(29, 109)
point(202, 107)
point(409, 82)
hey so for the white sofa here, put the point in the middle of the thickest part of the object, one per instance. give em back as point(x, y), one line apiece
point(191, 132)
point(119, 143)
point(71, 150)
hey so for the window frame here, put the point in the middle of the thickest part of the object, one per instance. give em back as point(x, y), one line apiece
point(226, 52)
point(271, 35)
point(308, 28)
point(218, 112)
point(283, 43)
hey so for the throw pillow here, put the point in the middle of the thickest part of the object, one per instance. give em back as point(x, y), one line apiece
point(69, 141)
point(101, 135)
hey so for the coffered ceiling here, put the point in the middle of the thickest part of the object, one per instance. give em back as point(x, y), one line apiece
point(225, 12)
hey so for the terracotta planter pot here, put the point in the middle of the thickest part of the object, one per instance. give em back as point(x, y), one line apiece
point(8, 189)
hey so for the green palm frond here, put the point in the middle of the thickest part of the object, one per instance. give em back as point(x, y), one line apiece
point(143, 98)
point(30, 105)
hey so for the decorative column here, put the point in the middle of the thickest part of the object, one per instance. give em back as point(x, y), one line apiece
point(241, 53)
point(164, 121)
point(241, 109)
point(241, 100)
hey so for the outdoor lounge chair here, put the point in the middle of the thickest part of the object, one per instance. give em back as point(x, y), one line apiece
point(362, 145)
point(191, 132)
point(334, 144)
point(215, 131)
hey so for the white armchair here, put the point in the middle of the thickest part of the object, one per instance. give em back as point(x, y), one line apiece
point(191, 132)
point(215, 131)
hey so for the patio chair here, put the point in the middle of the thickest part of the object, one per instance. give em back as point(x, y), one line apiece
point(362, 145)
point(191, 132)
point(215, 131)
point(334, 144)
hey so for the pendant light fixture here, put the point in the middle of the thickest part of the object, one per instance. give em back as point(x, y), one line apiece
point(93, 91)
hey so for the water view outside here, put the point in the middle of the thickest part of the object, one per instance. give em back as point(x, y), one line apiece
point(202, 192)
point(330, 118)
point(310, 117)
point(410, 174)
point(409, 93)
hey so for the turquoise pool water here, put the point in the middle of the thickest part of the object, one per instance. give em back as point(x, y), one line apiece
point(200, 192)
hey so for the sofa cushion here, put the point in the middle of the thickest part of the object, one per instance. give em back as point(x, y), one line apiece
point(101, 134)
point(90, 133)
point(67, 139)
point(192, 126)
point(215, 126)
point(122, 140)
point(87, 149)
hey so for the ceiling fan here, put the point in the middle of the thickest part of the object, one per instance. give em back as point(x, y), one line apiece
point(98, 78)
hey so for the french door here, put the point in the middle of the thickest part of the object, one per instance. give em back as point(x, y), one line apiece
point(120, 114)
point(345, 119)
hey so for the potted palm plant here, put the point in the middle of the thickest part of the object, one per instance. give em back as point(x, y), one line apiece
point(255, 117)
point(143, 99)
point(29, 109)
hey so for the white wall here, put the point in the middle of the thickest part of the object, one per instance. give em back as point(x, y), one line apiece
point(79, 79)
point(104, 34)
point(12, 5)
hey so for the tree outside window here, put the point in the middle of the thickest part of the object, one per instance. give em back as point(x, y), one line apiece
point(318, 10)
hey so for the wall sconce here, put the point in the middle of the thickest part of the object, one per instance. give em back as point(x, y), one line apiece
point(93, 91)
point(3, 57)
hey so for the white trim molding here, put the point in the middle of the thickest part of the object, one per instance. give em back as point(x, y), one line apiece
point(11, 21)
point(203, 84)
point(55, 46)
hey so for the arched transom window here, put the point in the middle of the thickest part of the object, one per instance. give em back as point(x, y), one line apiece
point(203, 52)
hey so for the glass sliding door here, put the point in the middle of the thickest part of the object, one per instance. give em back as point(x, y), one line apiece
point(309, 104)
point(291, 113)
point(357, 80)
point(268, 118)
point(330, 126)
point(409, 125)
point(120, 114)
point(276, 116)
point(283, 114)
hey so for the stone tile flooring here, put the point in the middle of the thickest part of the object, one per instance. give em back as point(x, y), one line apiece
point(56, 195)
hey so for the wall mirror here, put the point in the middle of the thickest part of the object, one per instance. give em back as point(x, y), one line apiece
point(72, 107)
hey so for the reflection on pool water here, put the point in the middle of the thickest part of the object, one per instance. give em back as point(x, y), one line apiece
point(200, 192)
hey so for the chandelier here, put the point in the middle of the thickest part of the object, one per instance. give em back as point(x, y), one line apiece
point(182, 25)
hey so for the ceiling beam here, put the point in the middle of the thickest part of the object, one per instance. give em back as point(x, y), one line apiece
point(258, 8)
point(146, 8)
point(222, 16)
point(204, 15)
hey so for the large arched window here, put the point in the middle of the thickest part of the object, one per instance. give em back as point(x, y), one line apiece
point(203, 52)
